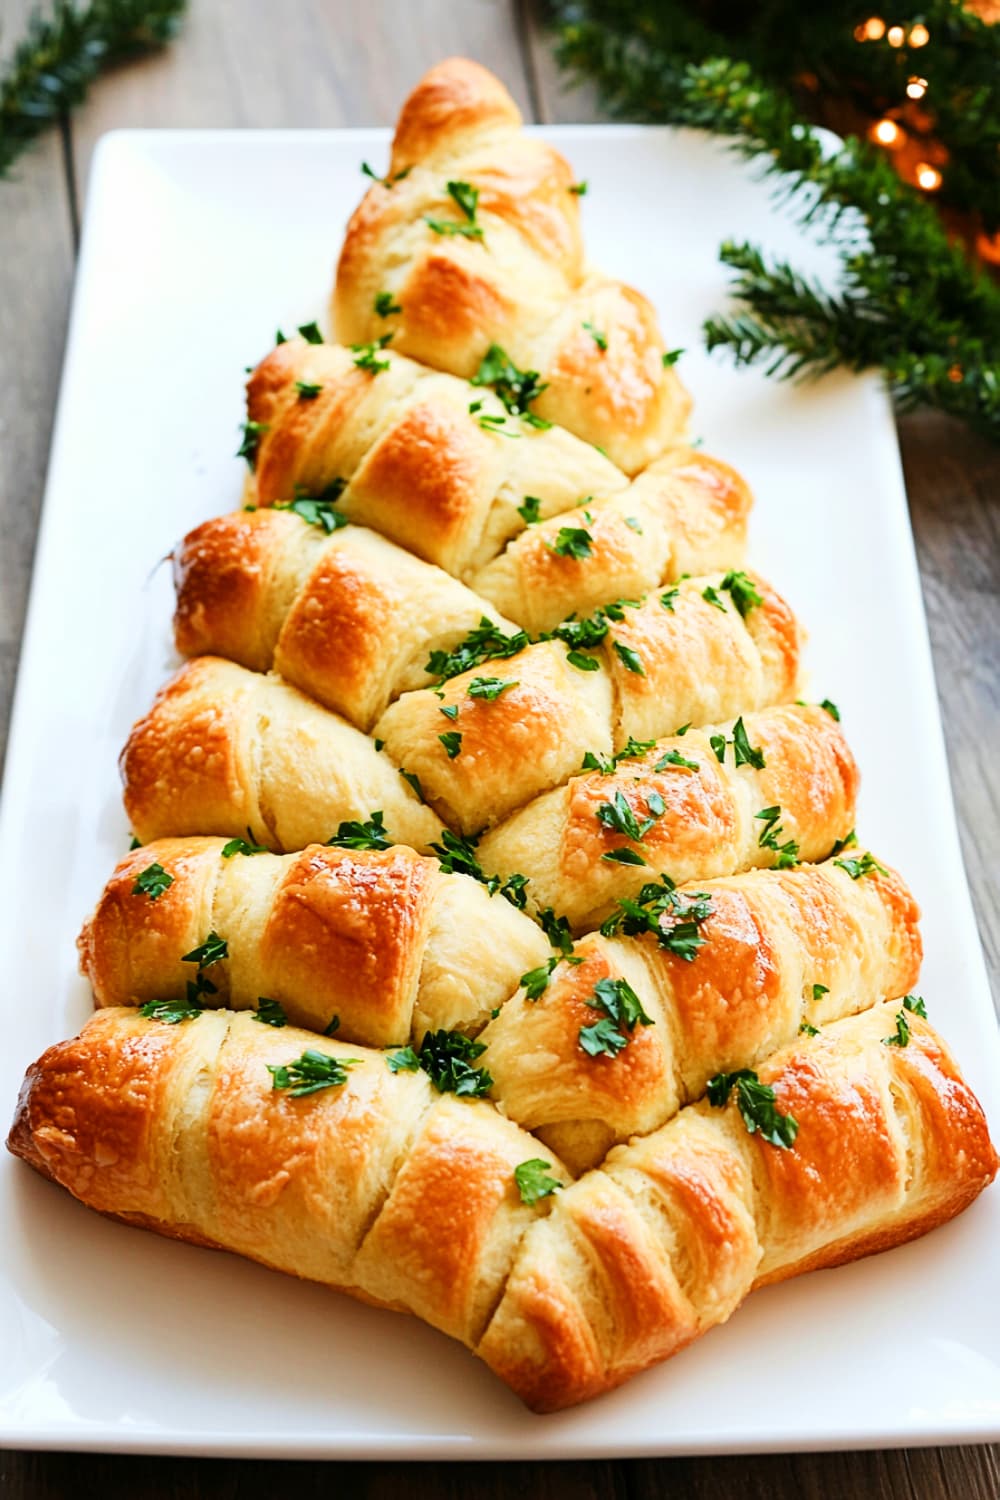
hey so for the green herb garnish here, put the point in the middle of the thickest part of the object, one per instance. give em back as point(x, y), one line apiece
point(517, 389)
point(744, 594)
point(533, 1182)
point(357, 835)
point(572, 541)
point(756, 1103)
point(385, 306)
point(153, 881)
point(452, 742)
point(490, 688)
point(865, 864)
point(270, 1013)
point(243, 846)
point(310, 1073)
point(531, 510)
point(600, 339)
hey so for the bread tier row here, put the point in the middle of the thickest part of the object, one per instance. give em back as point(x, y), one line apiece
point(602, 1040)
point(370, 1182)
point(472, 240)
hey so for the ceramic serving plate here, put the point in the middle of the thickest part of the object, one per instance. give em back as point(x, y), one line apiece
point(197, 246)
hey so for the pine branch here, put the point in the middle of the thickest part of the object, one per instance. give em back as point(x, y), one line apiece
point(909, 301)
point(59, 58)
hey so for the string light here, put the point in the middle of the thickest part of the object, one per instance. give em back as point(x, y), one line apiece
point(872, 30)
point(928, 177)
point(895, 36)
point(919, 35)
point(887, 133)
point(916, 88)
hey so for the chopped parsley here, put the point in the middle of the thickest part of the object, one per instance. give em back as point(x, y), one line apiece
point(310, 332)
point(533, 1181)
point(252, 432)
point(486, 642)
point(447, 1058)
point(308, 391)
point(675, 758)
point(631, 659)
point(385, 306)
point(581, 662)
point(667, 599)
point(466, 198)
point(572, 541)
point(831, 709)
point(536, 981)
point(153, 881)
point(901, 1036)
point(310, 1073)
point(756, 1103)
point(386, 181)
point(134, 843)
point(457, 856)
point(490, 688)
point(243, 846)
point(452, 742)
point(624, 856)
point(786, 854)
point(270, 1013)
point(515, 388)
point(531, 510)
point(819, 990)
point(315, 512)
point(557, 930)
point(620, 816)
point(579, 188)
point(711, 596)
point(332, 1026)
point(744, 754)
point(808, 1029)
point(672, 916)
point(632, 522)
point(744, 594)
point(844, 843)
point(622, 1013)
point(413, 780)
point(369, 356)
point(671, 357)
point(600, 339)
point(865, 864)
point(170, 1011)
point(358, 835)
point(210, 952)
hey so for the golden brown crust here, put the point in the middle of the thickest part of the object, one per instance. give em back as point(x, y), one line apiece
point(684, 514)
point(857, 1181)
point(363, 936)
point(224, 750)
point(524, 285)
point(658, 668)
point(709, 825)
point(350, 619)
point(380, 1188)
point(779, 947)
point(408, 452)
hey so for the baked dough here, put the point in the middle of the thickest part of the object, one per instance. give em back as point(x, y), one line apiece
point(430, 461)
point(523, 283)
point(770, 939)
point(700, 662)
point(381, 1188)
point(709, 824)
point(350, 619)
point(382, 940)
point(686, 513)
point(224, 751)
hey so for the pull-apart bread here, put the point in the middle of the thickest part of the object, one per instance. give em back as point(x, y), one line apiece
point(472, 242)
point(491, 753)
point(195, 1131)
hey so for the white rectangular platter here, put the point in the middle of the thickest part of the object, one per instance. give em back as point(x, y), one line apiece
point(197, 245)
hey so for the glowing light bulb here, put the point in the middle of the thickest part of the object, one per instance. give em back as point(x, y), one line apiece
point(919, 35)
point(916, 88)
point(895, 36)
point(928, 177)
point(887, 133)
point(874, 28)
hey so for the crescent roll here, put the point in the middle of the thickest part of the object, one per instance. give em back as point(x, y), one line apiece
point(658, 667)
point(428, 460)
point(349, 618)
point(381, 939)
point(778, 948)
point(473, 240)
point(685, 514)
point(227, 751)
point(375, 1185)
point(697, 816)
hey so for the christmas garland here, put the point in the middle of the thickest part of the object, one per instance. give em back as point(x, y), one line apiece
point(910, 301)
point(53, 67)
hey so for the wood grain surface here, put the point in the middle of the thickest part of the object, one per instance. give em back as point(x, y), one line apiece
point(350, 62)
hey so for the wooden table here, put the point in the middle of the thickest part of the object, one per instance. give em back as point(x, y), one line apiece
point(284, 63)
